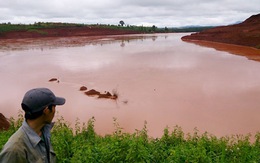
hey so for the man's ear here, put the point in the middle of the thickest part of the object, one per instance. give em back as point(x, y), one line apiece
point(46, 110)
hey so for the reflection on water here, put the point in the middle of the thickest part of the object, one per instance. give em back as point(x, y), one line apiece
point(250, 53)
point(158, 78)
point(54, 43)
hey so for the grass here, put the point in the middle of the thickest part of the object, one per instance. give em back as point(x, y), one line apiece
point(83, 144)
point(6, 27)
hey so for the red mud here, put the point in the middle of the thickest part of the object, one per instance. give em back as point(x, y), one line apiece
point(106, 95)
point(83, 88)
point(246, 33)
point(92, 92)
point(4, 124)
point(66, 32)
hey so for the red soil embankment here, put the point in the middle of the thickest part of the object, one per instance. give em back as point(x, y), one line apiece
point(246, 33)
point(4, 124)
point(66, 32)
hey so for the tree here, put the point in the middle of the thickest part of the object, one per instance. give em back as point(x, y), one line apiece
point(154, 28)
point(166, 29)
point(121, 22)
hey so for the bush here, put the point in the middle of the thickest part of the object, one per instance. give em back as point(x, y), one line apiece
point(82, 144)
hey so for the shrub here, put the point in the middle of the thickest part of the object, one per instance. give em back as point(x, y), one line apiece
point(83, 144)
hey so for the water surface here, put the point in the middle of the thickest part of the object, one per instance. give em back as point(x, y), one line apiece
point(159, 78)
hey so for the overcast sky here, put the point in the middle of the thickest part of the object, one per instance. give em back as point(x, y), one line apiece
point(161, 13)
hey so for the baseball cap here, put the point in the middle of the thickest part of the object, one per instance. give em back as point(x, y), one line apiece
point(38, 98)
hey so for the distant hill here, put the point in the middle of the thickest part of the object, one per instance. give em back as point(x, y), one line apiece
point(190, 28)
point(246, 33)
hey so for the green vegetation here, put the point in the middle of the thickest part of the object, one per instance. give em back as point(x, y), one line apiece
point(142, 29)
point(7, 27)
point(191, 29)
point(83, 144)
point(155, 29)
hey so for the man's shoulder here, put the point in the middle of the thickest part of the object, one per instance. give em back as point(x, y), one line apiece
point(15, 146)
point(16, 140)
point(13, 150)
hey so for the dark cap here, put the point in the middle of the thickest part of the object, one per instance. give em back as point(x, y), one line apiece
point(37, 99)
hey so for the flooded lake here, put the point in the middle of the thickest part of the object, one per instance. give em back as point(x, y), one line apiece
point(159, 79)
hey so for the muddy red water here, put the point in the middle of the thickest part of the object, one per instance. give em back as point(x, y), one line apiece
point(158, 78)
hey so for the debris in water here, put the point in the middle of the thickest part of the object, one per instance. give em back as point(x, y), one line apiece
point(54, 79)
point(92, 92)
point(125, 101)
point(105, 95)
point(83, 88)
point(108, 95)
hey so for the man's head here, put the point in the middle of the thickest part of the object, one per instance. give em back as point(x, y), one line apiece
point(36, 100)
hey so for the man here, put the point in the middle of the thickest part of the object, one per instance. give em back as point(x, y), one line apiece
point(31, 142)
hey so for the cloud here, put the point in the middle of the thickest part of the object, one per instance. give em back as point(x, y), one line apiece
point(134, 12)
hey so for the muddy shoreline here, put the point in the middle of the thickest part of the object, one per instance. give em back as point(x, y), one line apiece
point(239, 39)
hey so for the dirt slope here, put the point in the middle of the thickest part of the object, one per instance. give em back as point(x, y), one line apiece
point(65, 32)
point(4, 124)
point(246, 33)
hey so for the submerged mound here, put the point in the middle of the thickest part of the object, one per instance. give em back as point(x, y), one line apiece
point(246, 33)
